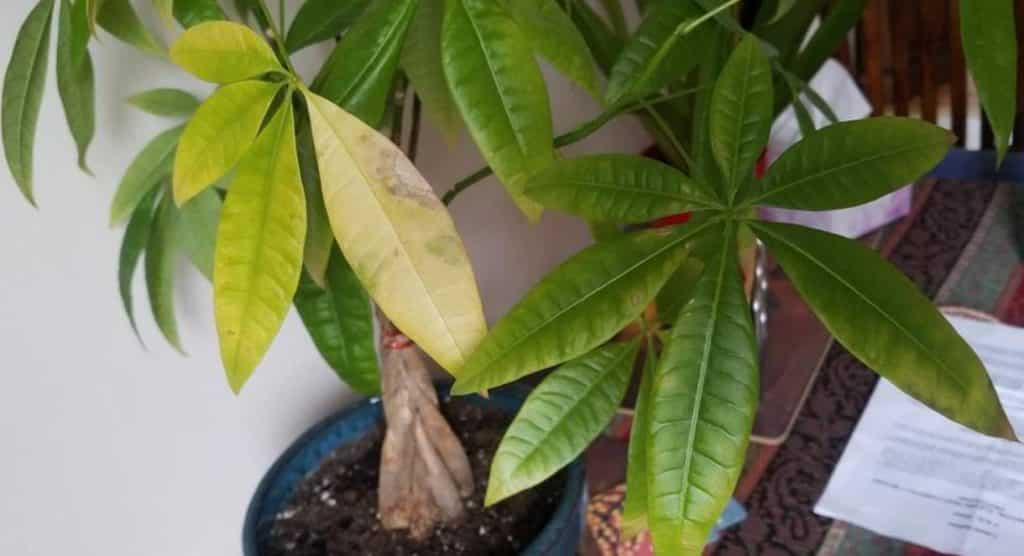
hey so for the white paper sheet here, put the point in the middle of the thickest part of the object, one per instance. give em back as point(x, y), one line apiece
point(911, 474)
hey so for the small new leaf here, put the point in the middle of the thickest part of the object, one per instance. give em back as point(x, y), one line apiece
point(172, 103)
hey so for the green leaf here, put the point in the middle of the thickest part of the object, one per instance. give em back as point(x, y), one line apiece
point(679, 290)
point(634, 510)
point(173, 103)
point(23, 93)
point(75, 83)
point(554, 36)
point(320, 20)
point(617, 188)
point(223, 52)
point(803, 117)
point(120, 19)
point(603, 43)
point(319, 238)
point(161, 255)
point(990, 47)
point(842, 16)
point(190, 13)
point(782, 7)
point(663, 49)
point(421, 62)
point(578, 306)
point(882, 319)
point(136, 236)
point(741, 114)
point(704, 167)
point(165, 8)
point(705, 394)
point(198, 230)
point(851, 163)
point(219, 134)
point(258, 257)
point(80, 30)
point(560, 418)
point(500, 92)
point(340, 321)
point(150, 167)
point(396, 234)
point(360, 72)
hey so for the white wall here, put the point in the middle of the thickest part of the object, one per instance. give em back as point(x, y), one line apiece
point(109, 449)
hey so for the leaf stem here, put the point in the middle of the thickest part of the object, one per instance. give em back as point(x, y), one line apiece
point(280, 15)
point(581, 132)
point(275, 34)
point(700, 20)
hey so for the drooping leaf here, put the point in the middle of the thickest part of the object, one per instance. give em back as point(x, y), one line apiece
point(161, 255)
point(190, 13)
point(617, 188)
point(23, 92)
point(198, 230)
point(801, 87)
point(165, 8)
point(120, 19)
point(136, 236)
point(741, 114)
point(881, 318)
point(851, 163)
point(421, 62)
point(705, 393)
point(258, 257)
point(990, 47)
point(219, 134)
point(560, 418)
point(223, 52)
point(319, 237)
point(578, 306)
point(603, 43)
point(320, 20)
point(396, 234)
point(554, 36)
point(339, 318)
point(80, 30)
point(173, 103)
point(360, 72)
point(500, 92)
point(679, 289)
point(803, 117)
point(634, 510)
point(663, 49)
point(75, 83)
point(780, 10)
point(146, 171)
point(833, 31)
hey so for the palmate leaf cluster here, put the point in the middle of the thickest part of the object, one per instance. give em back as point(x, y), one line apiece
point(283, 193)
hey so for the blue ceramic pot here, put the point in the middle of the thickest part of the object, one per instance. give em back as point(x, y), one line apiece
point(559, 537)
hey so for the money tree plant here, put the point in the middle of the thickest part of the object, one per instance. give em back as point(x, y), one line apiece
point(283, 193)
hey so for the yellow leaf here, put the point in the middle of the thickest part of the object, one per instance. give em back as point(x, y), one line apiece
point(219, 133)
point(397, 236)
point(223, 52)
point(258, 257)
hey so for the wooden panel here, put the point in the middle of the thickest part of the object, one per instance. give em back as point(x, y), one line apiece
point(902, 39)
point(933, 17)
point(873, 35)
point(957, 76)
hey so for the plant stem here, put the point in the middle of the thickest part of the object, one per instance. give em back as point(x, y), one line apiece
point(667, 130)
point(280, 15)
point(700, 20)
point(275, 34)
point(581, 132)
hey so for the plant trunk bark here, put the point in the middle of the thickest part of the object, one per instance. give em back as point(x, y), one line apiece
point(424, 471)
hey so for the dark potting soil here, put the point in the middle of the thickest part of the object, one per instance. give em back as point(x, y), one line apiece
point(334, 510)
